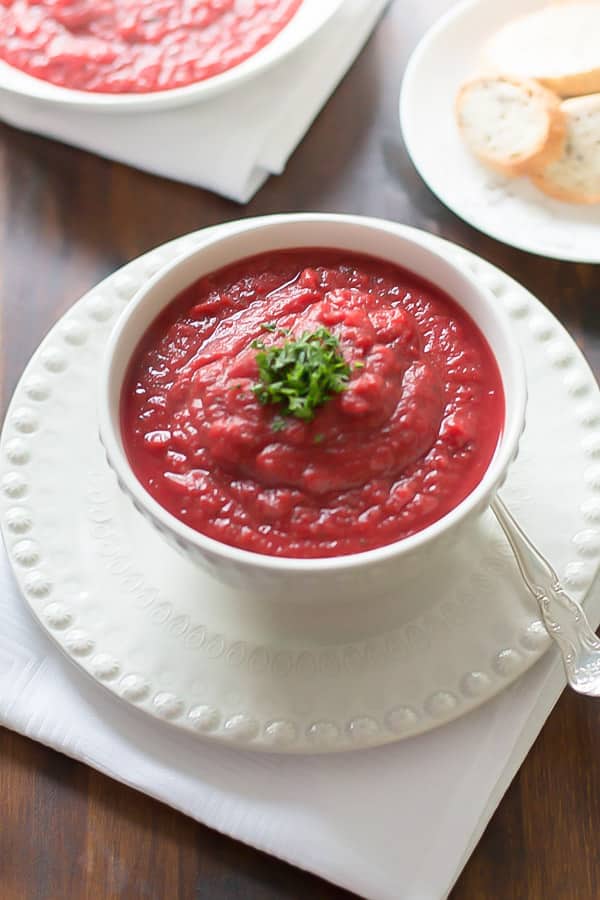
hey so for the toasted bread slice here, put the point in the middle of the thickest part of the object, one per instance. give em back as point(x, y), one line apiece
point(512, 125)
point(558, 45)
point(575, 176)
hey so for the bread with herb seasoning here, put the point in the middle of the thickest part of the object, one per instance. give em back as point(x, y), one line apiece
point(575, 176)
point(513, 125)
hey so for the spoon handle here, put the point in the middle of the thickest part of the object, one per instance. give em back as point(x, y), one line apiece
point(563, 617)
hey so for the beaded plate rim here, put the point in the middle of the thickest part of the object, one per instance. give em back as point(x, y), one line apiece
point(97, 308)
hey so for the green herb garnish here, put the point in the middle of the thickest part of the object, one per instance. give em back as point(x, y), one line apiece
point(268, 326)
point(278, 424)
point(302, 374)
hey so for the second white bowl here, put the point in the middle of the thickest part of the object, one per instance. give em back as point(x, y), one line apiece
point(308, 20)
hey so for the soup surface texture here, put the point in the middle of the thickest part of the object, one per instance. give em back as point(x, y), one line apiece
point(408, 433)
point(135, 46)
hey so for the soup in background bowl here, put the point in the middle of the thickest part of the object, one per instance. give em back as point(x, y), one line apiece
point(128, 46)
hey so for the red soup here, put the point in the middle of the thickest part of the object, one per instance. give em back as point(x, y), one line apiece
point(311, 403)
point(125, 46)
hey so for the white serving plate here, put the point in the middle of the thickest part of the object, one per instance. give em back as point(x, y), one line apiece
point(510, 210)
point(310, 17)
point(325, 676)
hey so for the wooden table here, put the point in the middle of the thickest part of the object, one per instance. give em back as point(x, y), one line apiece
point(67, 219)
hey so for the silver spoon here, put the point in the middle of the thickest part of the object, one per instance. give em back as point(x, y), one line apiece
point(563, 617)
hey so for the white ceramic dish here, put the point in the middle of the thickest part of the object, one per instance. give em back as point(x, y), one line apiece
point(510, 210)
point(310, 17)
point(297, 578)
point(168, 640)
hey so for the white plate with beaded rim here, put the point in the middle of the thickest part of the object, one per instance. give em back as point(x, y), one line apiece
point(167, 639)
point(311, 16)
point(510, 210)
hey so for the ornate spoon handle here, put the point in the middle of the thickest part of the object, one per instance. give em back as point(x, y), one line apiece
point(562, 616)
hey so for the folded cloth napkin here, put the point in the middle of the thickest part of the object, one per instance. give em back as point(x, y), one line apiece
point(231, 143)
point(396, 823)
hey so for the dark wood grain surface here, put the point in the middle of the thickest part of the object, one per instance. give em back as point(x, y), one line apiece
point(67, 219)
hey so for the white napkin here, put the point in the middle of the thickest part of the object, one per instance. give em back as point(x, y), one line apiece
point(397, 823)
point(230, 143)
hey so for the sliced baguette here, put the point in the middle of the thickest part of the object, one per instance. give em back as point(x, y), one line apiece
point(575, 176)
point(559, 45)
point(512, 125)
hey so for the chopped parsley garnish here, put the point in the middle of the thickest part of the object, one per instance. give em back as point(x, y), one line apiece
point(301, 375)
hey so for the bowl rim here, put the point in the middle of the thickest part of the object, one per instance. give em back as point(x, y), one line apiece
point(503, 456)
point(291, 37)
